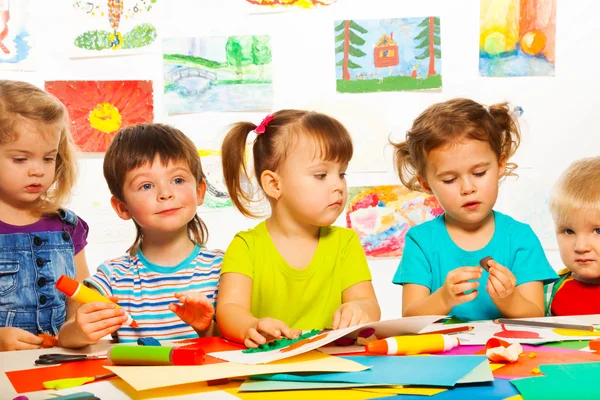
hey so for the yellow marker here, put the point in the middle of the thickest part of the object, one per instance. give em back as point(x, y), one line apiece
point(418, 344)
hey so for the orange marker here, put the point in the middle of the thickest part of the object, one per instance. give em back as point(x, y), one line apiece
point(82, 294)
point(407, 345)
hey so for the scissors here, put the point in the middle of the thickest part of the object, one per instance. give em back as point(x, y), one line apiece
point(56, 358)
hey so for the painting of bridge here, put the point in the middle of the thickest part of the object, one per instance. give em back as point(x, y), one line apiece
point(221, 73)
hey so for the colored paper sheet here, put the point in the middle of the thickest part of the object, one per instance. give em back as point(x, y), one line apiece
point(496, 390)
point(394, 327)
point(269, 386)
point(151, 377)
point(30, 380)
point(517, 397)
point(565, 381)
point(418, 391)
point(482, 373)
point(400, 370)
point(526, 364)
point(333, 394)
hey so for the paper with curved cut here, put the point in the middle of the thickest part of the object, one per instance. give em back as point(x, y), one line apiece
point(393, 327)
point(151, 377)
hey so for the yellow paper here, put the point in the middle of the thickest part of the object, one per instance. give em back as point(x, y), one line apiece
point(516, 397)
point(575, 332)
point(332, 394)
point(418, 391)
point(151, 377)
point(494, 366)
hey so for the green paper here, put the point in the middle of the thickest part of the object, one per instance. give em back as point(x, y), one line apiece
point(562, 381)
point(481, 373)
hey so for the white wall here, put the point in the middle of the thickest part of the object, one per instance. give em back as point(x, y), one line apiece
point(560, 113)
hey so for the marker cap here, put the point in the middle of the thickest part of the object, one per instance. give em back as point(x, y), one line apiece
point(187, 356)
point(67, 285)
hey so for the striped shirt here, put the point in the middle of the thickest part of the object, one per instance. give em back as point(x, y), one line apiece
point(146, 290)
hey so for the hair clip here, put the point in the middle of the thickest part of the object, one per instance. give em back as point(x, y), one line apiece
point(517, 111)
point(260, 129)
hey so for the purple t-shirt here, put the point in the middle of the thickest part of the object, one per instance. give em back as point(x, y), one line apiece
point(51, 223)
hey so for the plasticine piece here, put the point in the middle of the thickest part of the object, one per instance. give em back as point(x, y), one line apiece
point(366, 336)
point(532, 355)
point(281, 343)
point(595, 345)
point(484, 263)
point(501, 351)
point(344, 341)
point(49, 340)
point(148, 341)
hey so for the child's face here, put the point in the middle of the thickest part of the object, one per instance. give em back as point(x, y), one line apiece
point(464, 178)
point(160, 198)
point(579, 243)
point(28, 164)
point(313, 190)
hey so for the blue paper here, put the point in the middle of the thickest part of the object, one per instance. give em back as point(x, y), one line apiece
point(496, 390)
point(442, 371)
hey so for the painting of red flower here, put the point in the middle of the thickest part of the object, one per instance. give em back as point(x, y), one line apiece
point(98, 109)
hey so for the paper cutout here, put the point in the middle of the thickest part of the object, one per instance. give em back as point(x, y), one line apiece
point(516, 334)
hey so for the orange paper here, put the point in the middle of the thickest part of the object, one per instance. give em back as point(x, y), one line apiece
point(525, 365)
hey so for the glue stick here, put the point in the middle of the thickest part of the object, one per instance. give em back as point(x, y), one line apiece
point(407, 345)
point(155, 355)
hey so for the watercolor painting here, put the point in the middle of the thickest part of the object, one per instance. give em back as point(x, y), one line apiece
point(277, 4)
point(98, 109)
point(517, 37)
point(222, 73)
point(216, 196)
point(381, 216)
point(113, 27)
point(16, 47)
point(388, 55)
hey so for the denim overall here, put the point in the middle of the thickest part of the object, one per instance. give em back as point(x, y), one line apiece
point(30, 265)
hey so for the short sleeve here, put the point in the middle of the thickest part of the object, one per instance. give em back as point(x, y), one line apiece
point(530, 262)
point(100, 280)
point(79, 235)
point(414, 267)
point(238, 258)
point(355, 268)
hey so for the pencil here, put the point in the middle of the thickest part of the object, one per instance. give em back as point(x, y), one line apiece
point(451, 330)
point(544, 324)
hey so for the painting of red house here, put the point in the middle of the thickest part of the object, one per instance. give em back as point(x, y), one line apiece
point(386, 52)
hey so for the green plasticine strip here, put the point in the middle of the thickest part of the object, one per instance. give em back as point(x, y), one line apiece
point(281, 343)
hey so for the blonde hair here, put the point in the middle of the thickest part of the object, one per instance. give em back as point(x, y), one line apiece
point(270, 148)
point(22, 101)
point(578, 188)
point(138, 145)
point(450, 122)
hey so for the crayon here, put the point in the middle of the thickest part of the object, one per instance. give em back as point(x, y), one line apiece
point(450, 331)
point(82, 294)
point(408, 345)
point(155, 355)
point(544, 324)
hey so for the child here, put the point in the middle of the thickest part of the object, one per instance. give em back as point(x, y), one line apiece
point(155, 176)
point(293, 271)
point(458, 151)
point(39, 240)
point(575, 207)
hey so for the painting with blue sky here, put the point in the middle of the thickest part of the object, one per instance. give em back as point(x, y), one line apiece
point(385, 55)
point(221, 73)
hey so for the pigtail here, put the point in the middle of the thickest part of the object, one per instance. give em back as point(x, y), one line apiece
point(235, 170)
point(509, 131)
point(405, 166)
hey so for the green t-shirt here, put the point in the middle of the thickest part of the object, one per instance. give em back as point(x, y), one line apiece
point(303, 299)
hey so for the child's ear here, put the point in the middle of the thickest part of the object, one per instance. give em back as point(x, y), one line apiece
point(120, 208)
point(424, 185)
point(271, 184)
point(200, 192)
point(502, 166)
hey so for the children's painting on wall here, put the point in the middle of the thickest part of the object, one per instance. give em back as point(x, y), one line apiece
point(517, 37)
point(216, 196)
point(103, 28)
point(16, 45)
point(217, 74)
point(381, 216)
point(281, 4)
point(98, 109)
point(387, 55)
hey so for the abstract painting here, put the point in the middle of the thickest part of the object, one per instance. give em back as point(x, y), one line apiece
point(386, 55)
point(113, 27)
point(291, 3)
point(381, 216)
point(517, 37)
point(216, 196)
point(16, 46)
point(98, 109)
point(222, 73)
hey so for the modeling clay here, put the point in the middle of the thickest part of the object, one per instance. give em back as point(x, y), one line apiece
point(281, 343)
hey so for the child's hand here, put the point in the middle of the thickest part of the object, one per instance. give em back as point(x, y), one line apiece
point(197, 310)
point(96, 320)
point(502, 281)
point(268, 328)
point(457, 283)
point(349, 314)
point(18, 339)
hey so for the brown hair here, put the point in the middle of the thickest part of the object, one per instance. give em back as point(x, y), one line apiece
point(578, 188)
point(138, 145)
point(452, 121)
point(22, 101)
point(270, 149)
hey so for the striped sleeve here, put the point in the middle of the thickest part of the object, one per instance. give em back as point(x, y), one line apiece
point(101, 280)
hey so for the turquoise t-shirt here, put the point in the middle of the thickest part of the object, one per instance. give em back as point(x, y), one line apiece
point(430, 253)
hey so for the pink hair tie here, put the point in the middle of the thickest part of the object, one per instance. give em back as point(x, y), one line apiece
point(260, 129)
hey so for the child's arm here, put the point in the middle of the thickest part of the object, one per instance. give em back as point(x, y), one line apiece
point(18, 339)
point(359, 306)
point(418, 299)
point(523, 301)
point(235, 320)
